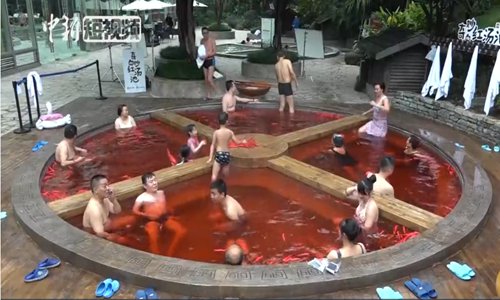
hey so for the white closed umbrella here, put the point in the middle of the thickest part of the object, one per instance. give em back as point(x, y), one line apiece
point(493, 89)
point(446, 76)
point(470, 81)
point(432, 82)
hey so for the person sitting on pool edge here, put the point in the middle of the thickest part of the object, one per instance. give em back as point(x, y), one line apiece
point(101, 204)
point(229, 99)
point(124, 120)
point(184, 154)
point(367, 211)
point(193, 142)
point(220, 145)
point(349, 232)
point(230, 207)
point(66, 151)
point(151, 204)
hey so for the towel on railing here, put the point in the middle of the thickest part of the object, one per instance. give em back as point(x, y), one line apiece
point(470, 81)
point(31, 88)
point(432, 82)
point(493, 86)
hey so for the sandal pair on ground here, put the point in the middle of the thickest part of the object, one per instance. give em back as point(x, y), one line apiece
point(39, 145)
point(41, 271)
point(146, 294)
point(107, 288)
point(485, 147)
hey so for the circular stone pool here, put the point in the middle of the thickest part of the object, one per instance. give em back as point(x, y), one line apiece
point(194, 278)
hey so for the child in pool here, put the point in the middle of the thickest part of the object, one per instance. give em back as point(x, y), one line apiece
point(220, 145)
point(151, 204)
point(194, 144)
point(184, 154)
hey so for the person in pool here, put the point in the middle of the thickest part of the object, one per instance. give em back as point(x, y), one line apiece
point(229, 99)
point(350, 231)
point(193, 142)
point(367, 211)
point(67, 153)
point(381, 108)
point(232, 210)
point(382, 186)
point(411, 146)
point(184, 154)
point(103, 203)
point(342, 157)
point(124, 120)
point(236, 252)
point(285, 75)
point(152, 205)
point(220, 145)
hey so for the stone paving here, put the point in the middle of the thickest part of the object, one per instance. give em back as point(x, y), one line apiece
point(325, 80)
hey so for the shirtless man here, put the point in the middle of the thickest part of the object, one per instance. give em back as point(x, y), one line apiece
point(412, 144)
point(152, 205)
point(229, 99)
point(285, 75)
point(220, 145)
point(232, 209)
point(382, 186)
point(101, 204)
point(66, 151)
point(209, 61)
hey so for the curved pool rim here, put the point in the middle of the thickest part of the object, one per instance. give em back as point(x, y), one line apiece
point(200, 279)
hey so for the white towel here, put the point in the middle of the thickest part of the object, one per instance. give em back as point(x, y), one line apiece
point(446, 76)
point(432, 82)
point(201, 56)
point(493, 87)
point(470, 81)
point(31, 89)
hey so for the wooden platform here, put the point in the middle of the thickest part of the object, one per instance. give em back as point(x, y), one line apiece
point(390, 208)
point(181, 122)
point(75, 205)
point(315, 132)
point(268, 147)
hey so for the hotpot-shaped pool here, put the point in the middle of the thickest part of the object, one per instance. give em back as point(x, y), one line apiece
point(288, 221)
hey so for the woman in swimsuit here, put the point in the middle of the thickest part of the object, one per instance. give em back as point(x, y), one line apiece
point(381, 107)
point(349, 231)
point(124, 121)
point(367, 211)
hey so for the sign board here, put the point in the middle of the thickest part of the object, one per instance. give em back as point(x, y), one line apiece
point(309, 43)
point(112, 29)
point(267, 31)
point(134, 74)
point(469, 31)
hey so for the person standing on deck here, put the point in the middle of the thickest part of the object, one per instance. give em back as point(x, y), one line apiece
point(285, 75)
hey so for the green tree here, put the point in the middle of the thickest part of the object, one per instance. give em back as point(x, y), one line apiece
point(219, 10)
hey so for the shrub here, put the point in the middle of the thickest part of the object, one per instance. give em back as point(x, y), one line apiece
point(174, 52)
point(179, 69)
point(221, 27)
point(267, 56)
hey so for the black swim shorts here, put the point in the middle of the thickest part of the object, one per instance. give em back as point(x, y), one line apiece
point(285, 89)
point(208, 63)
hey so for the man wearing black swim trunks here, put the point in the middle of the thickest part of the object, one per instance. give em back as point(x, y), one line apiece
point(285, 75)
point(209, 61)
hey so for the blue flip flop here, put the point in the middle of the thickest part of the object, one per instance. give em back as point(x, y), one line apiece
point(49, 263)
point(496, 148)
point(140, 294)
point(459, 145)
point(3, 215)
point(486, 147)
point(427, 286)
point(36, 275)
point(39, 145)
point(102, 286)
point(388, 293)
point(469, 270)
point(151, 294)
point(459, 270)
point(418, 291)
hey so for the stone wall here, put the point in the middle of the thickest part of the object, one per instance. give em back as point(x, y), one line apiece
point(480, 125)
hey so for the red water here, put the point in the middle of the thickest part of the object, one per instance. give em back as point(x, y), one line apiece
point(431, 184)
point(287, 220)
point(262, 120)
point(118, 155)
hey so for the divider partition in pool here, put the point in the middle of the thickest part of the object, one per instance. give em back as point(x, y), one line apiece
point(439, 237)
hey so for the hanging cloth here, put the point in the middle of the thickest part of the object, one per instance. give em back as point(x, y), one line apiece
point(470, 81)
point(493, 86)
point(446, 76)
point(432, 82)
